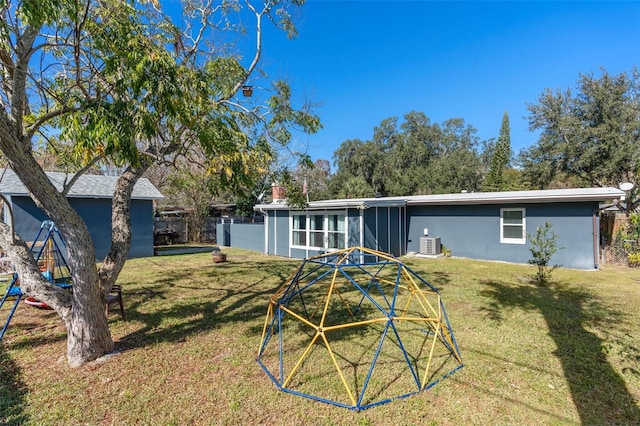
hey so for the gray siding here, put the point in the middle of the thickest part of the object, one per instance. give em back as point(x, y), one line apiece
point(141, 228)
point(96, 213)
point(382, 230)
point(397, 231)
point(369, 217)
point(474, 231)
point(277, 223)
point(471, 231)
point(27, 218)
point(353, 228)
point(223, 232)
point(282, 230)
point(270, 220)
point(249, 236)
point(297, 253)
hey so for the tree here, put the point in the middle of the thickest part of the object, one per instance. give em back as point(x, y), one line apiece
point(314, 180)
point(544, 244)
point(415, 157)
point(191, 186)
point(501, 158)
point(363, 159)
point(354, 187)
point(592, 137)
point(457, 166)
point(129, 87)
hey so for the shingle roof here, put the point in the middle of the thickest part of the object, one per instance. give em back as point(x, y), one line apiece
point(87, 186)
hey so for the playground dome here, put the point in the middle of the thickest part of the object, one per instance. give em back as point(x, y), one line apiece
point(357, 328)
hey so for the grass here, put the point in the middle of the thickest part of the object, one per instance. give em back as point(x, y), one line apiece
point(566, 353)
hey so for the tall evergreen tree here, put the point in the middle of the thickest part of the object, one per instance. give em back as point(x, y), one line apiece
point(501, 158)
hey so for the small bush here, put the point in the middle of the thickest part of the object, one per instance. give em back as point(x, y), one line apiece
point(543, 246)
point(634, 259)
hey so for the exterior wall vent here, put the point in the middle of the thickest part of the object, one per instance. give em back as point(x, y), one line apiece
point(430, 246)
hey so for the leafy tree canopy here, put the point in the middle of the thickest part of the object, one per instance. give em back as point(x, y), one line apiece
point(591, 136)
point(412, 157)
point(122, 84)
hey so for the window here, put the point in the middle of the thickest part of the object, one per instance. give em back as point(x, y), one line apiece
point(319, 231)
point(316, 230)
point(336, 231)
point(299, 231)
point(513, 226)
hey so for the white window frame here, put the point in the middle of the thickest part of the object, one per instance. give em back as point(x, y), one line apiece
point(313, 232)
point(293, 230)
point(336, 232)
point(325, 229)
point(508, 240)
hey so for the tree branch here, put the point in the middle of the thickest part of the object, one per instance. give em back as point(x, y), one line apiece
point(66, 187)
point(23, 54)
point(32, 129)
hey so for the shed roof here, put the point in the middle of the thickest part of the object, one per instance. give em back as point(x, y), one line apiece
point(87, 186)
point(464, 198)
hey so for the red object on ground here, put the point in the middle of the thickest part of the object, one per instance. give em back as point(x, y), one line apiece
point(32, 301)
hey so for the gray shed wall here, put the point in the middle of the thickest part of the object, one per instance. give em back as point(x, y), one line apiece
point(96, 213)
point(474, 231)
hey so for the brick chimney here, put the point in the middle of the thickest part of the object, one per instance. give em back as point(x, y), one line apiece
point(277, 192)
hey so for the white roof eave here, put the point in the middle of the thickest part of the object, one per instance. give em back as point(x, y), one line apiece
point(508, 197)
point(541, 196)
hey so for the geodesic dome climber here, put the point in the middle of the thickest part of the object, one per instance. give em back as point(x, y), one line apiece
point(357, 328)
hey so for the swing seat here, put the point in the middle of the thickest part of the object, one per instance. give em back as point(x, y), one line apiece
point(14, 292)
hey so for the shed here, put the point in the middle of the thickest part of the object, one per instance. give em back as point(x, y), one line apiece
point(91, 197)
point(484, 225)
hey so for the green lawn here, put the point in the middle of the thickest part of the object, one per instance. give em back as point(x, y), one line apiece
point(566, 353)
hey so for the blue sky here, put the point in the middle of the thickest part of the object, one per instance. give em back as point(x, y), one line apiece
point(365, 61)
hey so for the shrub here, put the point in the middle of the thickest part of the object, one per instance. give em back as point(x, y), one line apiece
point(634, 259)
point(543, 246)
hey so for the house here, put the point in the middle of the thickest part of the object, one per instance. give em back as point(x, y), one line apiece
point(483, 225)
point(91, 197)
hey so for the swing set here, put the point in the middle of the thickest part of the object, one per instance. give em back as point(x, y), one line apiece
point(47, 249)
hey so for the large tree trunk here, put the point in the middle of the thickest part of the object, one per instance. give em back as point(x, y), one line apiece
point(120, 228)
point(88, 334)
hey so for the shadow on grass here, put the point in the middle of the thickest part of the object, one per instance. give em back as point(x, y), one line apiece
point(599, 393)
point(226, 297)
point(13, 391)
point(34, 327)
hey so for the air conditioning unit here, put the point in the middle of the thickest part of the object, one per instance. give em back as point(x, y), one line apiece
point(430, 245)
